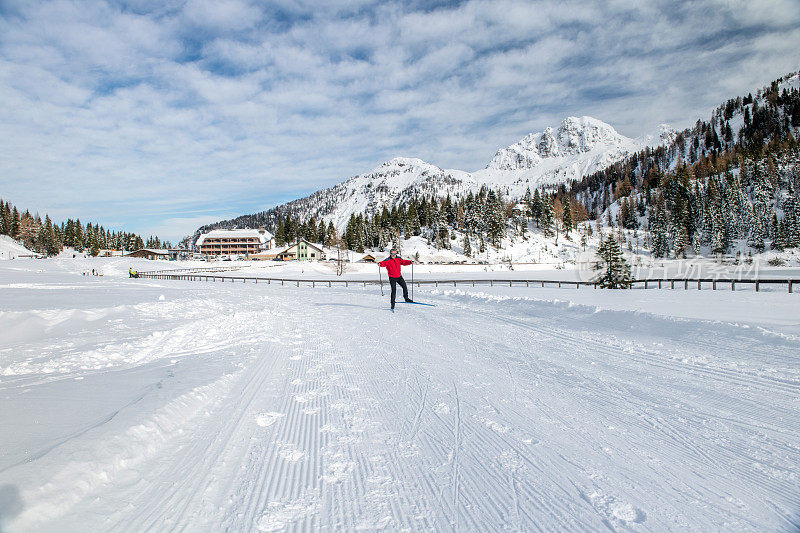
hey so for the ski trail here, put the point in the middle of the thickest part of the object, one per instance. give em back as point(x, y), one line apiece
point(415, 426)
point(194, 473)
point(456, 451)
point(473, 416)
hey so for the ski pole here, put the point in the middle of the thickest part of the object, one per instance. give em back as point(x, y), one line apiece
point(380, 278)
point(412, 280)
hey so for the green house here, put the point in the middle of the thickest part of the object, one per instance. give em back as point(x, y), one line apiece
point(302, 251)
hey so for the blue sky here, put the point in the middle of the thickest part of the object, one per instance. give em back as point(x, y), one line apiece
point(161, 115)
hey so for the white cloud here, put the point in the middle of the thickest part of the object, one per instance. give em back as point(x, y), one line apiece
point(221, 15)
point(158, 109)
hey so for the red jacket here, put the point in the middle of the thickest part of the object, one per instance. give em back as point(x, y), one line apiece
point(393, 266)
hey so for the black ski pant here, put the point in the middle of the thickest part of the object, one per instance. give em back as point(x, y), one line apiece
point(394, 282)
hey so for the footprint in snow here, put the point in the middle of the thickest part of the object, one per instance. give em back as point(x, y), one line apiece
point(292, 455)
point(282, 514)
point(442, 409)
point(267, 419)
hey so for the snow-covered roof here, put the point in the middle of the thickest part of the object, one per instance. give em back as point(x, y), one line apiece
point(262, 235)
point(294, 245)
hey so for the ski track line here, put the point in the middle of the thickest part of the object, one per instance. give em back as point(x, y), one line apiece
point(650, 357)
point(405, 423)
point(415, 426)
point(195, 465)
point(499, 502)
point(714, 460)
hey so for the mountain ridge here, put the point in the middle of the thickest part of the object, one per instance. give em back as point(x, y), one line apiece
point(577, 147)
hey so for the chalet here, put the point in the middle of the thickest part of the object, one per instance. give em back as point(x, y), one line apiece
point(149, 253)
point(235, 242)
point(520, 210)
point(301, 251)
point(269, 255)
point(107, 252)
point(368, 259)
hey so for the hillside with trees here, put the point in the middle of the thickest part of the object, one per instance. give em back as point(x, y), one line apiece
point(45, 237)
point(728, 182)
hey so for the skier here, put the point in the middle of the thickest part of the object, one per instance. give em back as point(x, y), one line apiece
point(392, 265)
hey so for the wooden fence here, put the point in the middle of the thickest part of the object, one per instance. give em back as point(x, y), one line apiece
point(671, 283)
point(193, 270)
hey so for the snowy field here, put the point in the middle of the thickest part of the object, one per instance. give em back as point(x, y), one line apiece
point(161, 405)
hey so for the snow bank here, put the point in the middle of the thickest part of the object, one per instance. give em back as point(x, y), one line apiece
point(11, 249)
point(144, 404)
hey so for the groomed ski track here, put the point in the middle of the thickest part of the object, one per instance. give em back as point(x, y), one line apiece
point(278, 408)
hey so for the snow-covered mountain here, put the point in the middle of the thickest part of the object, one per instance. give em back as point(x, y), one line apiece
point(578, 147)
point(574, 138)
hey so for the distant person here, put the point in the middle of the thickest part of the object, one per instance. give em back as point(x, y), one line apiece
point(392, 264)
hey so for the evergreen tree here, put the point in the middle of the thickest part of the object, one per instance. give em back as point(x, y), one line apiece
point(330, 234)
point(5, 226)
point(15, 223)
point(791, 217)
point(612, 268)
point(467, 246)
point(495, 218)
point(566, 217)
point(546, 216)
point(659, 238)
point(536, 207)
point(52, 246)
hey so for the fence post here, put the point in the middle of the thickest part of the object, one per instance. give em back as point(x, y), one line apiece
point(659, 284)
point(733, 285)
point(698, 284)
point(527, 283)
point(491, 283)
point(329, 284)
point(686, 284)
point(645, 284)
point(714, 285)
point(509, 283)
point(672, 284)
point(454, 283)
point(543, 284)
point(790, 286)
point(756, 285)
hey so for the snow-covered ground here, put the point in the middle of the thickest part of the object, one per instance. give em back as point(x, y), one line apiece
point(11, 249)
point(159, 405)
